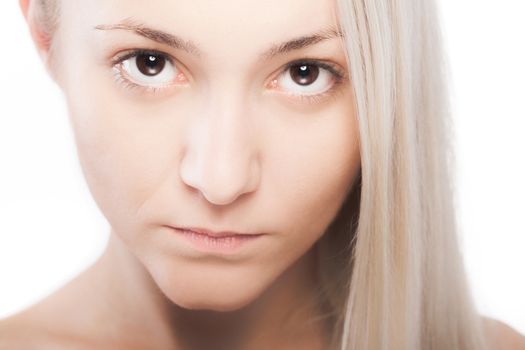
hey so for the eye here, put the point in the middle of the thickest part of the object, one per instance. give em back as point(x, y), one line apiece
point(308, 78)
point(151, 71)
point(147, 69)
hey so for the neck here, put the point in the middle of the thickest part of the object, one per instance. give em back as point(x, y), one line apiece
point(277, 319)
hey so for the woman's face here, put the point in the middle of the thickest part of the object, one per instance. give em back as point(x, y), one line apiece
point(212, 131)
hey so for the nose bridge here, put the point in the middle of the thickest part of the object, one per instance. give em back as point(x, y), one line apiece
point(221, 158)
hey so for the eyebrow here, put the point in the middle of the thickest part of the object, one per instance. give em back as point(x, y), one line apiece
point(179, 43)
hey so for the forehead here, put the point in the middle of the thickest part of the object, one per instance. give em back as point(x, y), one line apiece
point(216, 25)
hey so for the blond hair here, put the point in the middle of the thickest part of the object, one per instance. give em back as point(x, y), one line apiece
point(47, 13)
point(391, 269)
point(402, 284)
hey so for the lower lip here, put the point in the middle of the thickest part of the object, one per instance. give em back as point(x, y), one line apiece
point(223, 245)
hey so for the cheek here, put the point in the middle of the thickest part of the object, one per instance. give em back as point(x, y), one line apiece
point(126, 150)
point(312, 171)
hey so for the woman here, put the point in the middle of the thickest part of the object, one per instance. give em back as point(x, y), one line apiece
point(276, 175)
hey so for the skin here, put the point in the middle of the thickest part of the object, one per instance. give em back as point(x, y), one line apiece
point(225, 147)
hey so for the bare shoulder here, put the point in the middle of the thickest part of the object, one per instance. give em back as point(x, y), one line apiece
point(14, 334)
point(501, 336)
point(20, 333)
point(27, 331)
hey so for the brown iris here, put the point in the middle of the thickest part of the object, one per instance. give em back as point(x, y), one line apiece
point(304, 74)
point(149, 64)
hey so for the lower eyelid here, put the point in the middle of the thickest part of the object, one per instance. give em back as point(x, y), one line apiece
point(124, 75)
point(326, 96)
point(129, 85)
point(311, 99)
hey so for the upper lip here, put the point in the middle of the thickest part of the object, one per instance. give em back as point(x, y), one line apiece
point(214, 233)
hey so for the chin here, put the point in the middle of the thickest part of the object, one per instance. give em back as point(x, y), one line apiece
point(225, 305)
point(216, 288)
point(210, 298)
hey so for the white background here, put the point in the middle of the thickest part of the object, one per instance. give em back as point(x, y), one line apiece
point(50, 228)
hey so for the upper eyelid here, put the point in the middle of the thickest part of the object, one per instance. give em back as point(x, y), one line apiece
point(135, 52)
point(332, 68)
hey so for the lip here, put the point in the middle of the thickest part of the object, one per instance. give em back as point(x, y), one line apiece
point(215, 234)
point(216, 242)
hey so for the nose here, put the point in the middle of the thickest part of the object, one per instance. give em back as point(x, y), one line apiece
point(221, 159)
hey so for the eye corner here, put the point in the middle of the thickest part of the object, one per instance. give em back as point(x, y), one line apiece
point(272, 84)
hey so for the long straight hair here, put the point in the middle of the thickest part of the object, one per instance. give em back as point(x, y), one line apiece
point(392, 268)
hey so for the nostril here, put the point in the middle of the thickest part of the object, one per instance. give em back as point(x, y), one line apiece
point(217, 187)
point(220, 188)
point(217, 200)
point(219, 172)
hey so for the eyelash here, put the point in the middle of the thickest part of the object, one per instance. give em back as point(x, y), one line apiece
point(338, 75)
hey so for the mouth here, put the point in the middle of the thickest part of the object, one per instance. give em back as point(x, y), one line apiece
point(216, 242)
point(215, 234)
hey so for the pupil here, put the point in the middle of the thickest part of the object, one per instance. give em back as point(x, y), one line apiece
point(150, 64)
point(304, 74)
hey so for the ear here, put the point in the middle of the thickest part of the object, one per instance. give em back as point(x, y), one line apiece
point(40, 37)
